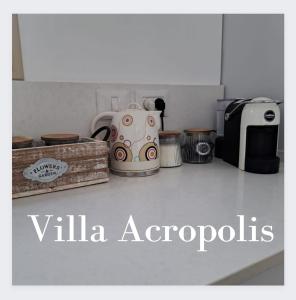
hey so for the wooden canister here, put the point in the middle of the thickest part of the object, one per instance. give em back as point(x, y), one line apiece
point(44, 169)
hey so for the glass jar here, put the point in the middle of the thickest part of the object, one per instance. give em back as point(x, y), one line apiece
point(22, 142)
point(198, 146)
point(59, 138)
point(170, 149)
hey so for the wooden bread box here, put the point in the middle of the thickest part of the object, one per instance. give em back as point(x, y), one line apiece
point(42, 169)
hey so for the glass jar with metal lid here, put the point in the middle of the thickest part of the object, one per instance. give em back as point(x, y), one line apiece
point(22, 142)
point(170, 149)
point(198, 146)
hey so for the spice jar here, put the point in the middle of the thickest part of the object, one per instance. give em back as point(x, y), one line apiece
point(21, 142)
point(170, 149)
point(60, 138)
point(198, 146)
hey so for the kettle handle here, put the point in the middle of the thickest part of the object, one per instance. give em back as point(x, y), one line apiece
point(107, 114)
point(108, 131)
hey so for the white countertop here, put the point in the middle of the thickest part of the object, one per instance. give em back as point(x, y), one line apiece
point(194, 195)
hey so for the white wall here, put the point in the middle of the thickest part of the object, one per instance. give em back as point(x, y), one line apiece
point(159, 49)
point(253, 58)
point(42, 107)
point(173, 49)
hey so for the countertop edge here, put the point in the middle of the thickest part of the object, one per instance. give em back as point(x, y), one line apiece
point(248, 272)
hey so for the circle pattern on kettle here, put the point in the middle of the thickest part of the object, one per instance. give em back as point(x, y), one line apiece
point(114, 133)
point(121, 152)
point(151, 153)
point(127, 120)
point(151, 121)
point(148, 152)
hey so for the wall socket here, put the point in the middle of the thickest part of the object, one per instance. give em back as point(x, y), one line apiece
point(112, 99)
point(117, 99)
point(149, 95)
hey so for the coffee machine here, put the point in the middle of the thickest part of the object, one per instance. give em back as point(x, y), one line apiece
point(251, 135)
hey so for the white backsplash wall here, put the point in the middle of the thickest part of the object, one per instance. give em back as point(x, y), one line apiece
point(42, 107)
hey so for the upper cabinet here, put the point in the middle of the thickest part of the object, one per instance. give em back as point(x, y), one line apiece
point(17, 64)
point(168, 49)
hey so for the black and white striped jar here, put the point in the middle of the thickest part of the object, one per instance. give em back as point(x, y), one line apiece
point(197, 147)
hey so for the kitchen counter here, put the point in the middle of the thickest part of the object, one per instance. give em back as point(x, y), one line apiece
point(189, 195)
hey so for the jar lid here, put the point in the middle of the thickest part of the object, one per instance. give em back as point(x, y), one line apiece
point(60, 137)
point(169, 133)
point(21, 141)
point(198, 130)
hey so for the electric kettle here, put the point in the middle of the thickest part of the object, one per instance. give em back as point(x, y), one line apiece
point(134, 140)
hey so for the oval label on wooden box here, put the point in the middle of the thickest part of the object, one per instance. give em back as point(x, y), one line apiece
point(46, 170)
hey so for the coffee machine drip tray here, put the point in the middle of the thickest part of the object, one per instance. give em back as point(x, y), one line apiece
point(262, 165)
point(261, 145)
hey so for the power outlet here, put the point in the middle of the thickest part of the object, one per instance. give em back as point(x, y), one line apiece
point(148, 96)
point(110, 99)
point(115, 103)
